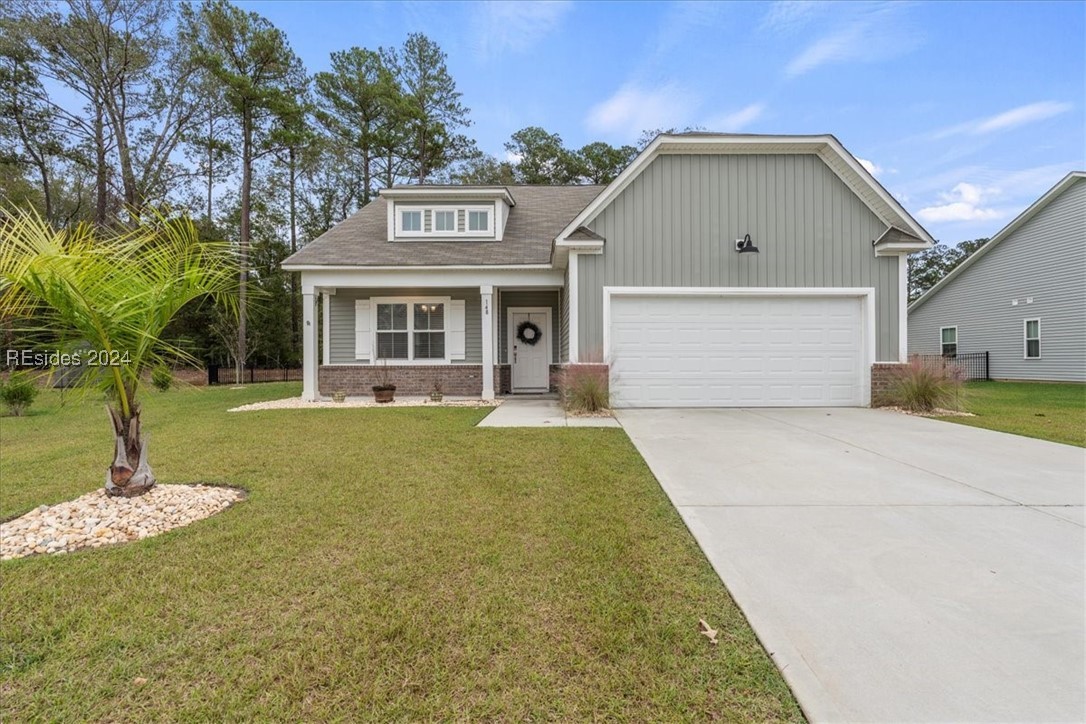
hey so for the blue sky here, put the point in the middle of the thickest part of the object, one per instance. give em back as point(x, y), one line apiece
point(966, 112)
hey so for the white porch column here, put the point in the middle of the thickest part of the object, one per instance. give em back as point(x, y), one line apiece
point(326, 328)
point(309, 346)
point(487, 323)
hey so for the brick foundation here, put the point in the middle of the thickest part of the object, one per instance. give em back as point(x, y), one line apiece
point(882, 376)
point(410, 380)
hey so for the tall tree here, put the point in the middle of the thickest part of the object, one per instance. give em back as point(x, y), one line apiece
point(541, 158)
point(257, 70)
point(484, 170)
point(360, 106)
point(433, 113)
point(601, 162)
point(927, 268)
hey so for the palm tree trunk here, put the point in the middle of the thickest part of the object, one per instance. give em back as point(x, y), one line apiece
point(129, 475)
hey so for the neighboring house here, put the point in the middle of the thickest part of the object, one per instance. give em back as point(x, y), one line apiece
point(1021, 297)
point(492, 289)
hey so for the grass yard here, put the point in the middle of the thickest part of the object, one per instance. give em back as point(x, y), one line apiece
point(1050, 411)
point(394, 564)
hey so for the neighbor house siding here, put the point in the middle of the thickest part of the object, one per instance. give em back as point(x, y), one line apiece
point(676, 225)
point(341, 320)
point(1043, 260)
point(534, 298)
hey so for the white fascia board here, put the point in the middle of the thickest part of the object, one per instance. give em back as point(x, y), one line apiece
point(446, 267)
point(442, 277)
point(421, 193)
point(1035, 208)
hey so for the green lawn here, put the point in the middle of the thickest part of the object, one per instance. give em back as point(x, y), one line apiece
point(1054, 412)
point(394, 564)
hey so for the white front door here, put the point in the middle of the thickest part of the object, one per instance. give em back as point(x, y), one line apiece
point(529, 349)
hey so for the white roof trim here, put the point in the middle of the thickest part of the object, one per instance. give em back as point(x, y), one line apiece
point(1035, 208)
point(422, 193)
point(409, 267)
point(826, 147)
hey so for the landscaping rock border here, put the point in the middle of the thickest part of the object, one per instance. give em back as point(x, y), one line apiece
point(297, 403)
point(96, 519)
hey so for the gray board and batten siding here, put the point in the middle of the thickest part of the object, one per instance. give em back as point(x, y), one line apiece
point(549, 298)
point(677, 222)
point(1043, 260)
point(341, 320)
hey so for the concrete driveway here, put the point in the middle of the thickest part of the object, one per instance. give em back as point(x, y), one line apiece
point(896, 568)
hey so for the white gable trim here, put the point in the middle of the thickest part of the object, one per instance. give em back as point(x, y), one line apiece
point(1035, 208)
point(826, 147)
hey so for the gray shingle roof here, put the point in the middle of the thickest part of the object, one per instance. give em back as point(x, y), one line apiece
point(362, 239)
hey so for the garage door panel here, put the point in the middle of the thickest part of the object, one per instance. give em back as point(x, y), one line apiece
point(706, 351)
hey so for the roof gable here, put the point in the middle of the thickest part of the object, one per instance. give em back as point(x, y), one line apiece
point(1007, 231)
point(826, 147)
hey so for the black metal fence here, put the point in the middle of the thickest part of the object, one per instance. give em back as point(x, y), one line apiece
point(251, 375)
point(973, 364)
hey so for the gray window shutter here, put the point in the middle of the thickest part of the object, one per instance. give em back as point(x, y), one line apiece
point(456, 330)
point(363, 335)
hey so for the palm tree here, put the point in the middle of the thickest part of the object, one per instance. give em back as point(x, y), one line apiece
point(111, 293)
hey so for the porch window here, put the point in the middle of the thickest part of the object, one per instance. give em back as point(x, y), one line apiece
point(392, 332)
point(429, 330)
point(411, 330)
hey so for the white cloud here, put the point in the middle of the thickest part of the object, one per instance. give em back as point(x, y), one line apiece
point(873, 32)
point(633, 109)
point(872, 168)
point(1014, 118)
point(517, 26)
point(786, 16)
point(965, 202)
point(736, 121)
point(512, 157)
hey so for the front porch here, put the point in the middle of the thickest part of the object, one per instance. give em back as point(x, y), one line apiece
point(477, 341)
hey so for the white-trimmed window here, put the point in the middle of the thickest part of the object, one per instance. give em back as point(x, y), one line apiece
point(948, 341)
point(445, 221)
point(1032, 334)
point(411, 220)
point(479, 220)
point(417, 330)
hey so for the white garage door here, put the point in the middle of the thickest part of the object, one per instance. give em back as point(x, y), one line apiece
point(736, 351)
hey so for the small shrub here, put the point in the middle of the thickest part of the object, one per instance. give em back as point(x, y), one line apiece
point(18, 392)
point(583, 389)
point(924, 384)
point(162, 377)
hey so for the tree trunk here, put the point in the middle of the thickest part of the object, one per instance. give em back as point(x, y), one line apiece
point(129, 475)
point(210, 164)
point(243, 275)
point(294, 337)
point(101, 180)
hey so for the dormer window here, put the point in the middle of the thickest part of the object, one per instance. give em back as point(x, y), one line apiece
point(479, 221)
point(411, 221)
point(445, 221)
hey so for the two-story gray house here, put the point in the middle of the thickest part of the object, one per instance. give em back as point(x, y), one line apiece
point(1021, 297)
point(716, 270)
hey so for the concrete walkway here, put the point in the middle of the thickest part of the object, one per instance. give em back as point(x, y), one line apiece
point(896, 568)
point(536, 412)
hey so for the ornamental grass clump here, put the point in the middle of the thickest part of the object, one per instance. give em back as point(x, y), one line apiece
point(925, 384)
point(583, 389)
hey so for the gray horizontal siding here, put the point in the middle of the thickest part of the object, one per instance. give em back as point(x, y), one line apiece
point(1044, 259)
point(533, 298)
point(676, 225)
point(341, 319)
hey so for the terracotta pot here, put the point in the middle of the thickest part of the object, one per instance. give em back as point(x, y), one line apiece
point(384, 394)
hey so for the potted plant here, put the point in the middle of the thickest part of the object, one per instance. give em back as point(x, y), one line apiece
point(339, 396)
point(437, 394)
point(384, 390)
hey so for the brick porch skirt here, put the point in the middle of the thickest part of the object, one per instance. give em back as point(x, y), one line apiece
point(410, 380)
point(882, 376)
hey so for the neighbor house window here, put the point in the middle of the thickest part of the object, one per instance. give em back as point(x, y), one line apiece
point(392, 333)
point(1033, 339)
point(478, 221)
point(411, 330)
point(949, 341)
point(411, 221)
point(444, 221)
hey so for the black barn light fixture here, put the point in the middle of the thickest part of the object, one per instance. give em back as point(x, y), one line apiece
point(745, 245)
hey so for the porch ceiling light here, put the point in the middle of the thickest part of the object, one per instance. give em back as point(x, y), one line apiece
point(745, 245)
